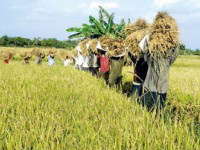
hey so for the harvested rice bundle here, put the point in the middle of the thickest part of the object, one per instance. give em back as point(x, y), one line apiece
point(26, 54)
point(105, 42)
point(133, 40)
point(116, 47)
point(138, 25)
point(52, 52)
point(6, 55)
point(84, 48)
point(39, 53)
point(64, 55)
point(164, 37)
point(93, 45)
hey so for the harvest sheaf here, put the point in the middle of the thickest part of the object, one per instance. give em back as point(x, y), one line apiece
point(63, 108)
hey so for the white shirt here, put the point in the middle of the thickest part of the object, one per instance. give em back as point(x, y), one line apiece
point(86, 62)
point(67, 62)
point(80, 59)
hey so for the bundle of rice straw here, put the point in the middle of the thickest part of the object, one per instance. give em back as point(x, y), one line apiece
point(164, 37)
point(93, 45)
point(132, 41)
point(52, 52)
point(83, 46)
point(116, 47)
point(64, 55)
point(138, 25)
point(6, 55)
point(104, 42)
point(26, 54)
point(39, 53)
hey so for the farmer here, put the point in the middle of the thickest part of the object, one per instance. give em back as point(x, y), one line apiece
point(51, 56)
point(86, 58)
point(67, 61)
point(94, 64)
point(157, 80)
point(80, 58)
point(140, 71)
point(94, 60)
point(116, 66)
point(39, 58)
point(104, 63)
point(7, 57)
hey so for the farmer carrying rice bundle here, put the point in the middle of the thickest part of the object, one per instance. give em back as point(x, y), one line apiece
point(26, 56)
point(51, 56)
point(116, 53)
point(94, 60)
point(84, 46)
point(135, 53)
point(6, 56)
point(104, 61)
point(40, 55)
point(66, 58)
point(160, 51)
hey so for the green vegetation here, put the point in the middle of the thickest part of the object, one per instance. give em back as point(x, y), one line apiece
point(36, 42)
point(98, 27)
point(63, 108)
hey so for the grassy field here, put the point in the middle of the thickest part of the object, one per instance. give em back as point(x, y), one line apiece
point(63, 108)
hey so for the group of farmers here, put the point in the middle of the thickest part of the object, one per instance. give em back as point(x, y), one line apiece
point(151, 48)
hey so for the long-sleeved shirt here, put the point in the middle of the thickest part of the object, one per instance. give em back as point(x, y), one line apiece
point(157, 79)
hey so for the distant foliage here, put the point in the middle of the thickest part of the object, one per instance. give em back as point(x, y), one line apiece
point(183, 50)
point(37, 42)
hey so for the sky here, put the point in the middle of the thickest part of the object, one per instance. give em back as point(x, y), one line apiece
point(50, 18)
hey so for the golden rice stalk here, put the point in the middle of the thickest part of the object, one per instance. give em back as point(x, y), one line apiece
point(132, 42)
point(138, 25)
point(164, 37)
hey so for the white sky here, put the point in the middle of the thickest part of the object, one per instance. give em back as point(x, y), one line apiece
point(50, 18)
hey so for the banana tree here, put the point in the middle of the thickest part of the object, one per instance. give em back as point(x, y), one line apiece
point(98, 27)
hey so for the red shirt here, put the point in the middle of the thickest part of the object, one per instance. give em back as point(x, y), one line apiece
point(104, 63)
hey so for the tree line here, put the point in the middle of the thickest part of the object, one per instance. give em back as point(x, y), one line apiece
point(68, 44)
point(37, 42)
point(187, 51)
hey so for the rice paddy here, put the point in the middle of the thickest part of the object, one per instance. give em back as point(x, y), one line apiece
point(56, 107)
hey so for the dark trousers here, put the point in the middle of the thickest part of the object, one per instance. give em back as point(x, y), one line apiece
point(94, 71)
point(117, 81)
point(105, 76)
point(154, 99)
point(85, 69)
point(137, 90)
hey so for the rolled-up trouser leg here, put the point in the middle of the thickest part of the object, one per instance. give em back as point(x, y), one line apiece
point(136, 90)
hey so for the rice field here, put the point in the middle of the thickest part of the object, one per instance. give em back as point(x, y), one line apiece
point(45, 107)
